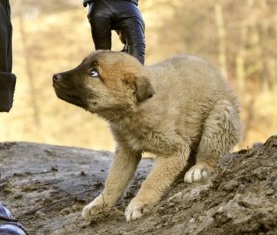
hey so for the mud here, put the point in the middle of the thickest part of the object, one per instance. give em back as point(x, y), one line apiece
point(47, 186)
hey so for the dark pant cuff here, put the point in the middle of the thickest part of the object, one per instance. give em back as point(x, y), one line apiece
point(7, 87)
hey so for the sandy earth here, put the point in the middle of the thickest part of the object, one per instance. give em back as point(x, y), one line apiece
point(47, 186)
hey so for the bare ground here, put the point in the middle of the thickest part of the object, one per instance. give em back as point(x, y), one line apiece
point(47, 186)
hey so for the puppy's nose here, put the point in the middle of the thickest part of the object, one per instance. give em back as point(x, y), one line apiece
point(57, 77)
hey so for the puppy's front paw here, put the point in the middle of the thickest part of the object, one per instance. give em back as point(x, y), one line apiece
point(136, 209)
point(197, 173)
point(93, 208)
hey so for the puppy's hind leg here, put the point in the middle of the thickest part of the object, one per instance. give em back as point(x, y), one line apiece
point(221, 131)
point(120, 173)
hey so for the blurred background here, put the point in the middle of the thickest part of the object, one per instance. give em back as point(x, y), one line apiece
point(239, 37)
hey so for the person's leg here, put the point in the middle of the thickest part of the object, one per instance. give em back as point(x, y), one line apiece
point(7, 79)
point(133, 33)
point(131, 25)
point(100, 19)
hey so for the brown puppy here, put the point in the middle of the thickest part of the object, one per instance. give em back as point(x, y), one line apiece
point(169, 109)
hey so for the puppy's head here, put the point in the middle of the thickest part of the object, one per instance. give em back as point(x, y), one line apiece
point(105, 81)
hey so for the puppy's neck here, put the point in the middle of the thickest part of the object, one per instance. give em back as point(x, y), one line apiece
point(117, 115)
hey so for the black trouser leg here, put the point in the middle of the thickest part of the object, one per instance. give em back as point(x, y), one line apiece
point(7, 79)
point(100, 21)
point(133, 34)
point(101, 33)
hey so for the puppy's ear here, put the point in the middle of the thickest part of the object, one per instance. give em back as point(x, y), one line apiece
point(144, 89)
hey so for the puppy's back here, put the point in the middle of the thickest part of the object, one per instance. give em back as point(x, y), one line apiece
point(189, 76)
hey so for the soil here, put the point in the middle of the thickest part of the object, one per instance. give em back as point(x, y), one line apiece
point(47, 186)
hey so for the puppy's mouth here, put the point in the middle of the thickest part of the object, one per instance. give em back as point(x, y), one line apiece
point(70, 97)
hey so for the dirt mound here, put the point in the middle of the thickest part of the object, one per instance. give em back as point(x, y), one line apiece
point(47, 186)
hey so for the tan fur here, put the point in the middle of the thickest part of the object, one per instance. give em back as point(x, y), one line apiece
point(170, 109)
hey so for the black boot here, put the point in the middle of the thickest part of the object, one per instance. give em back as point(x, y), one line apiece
point(8, 225)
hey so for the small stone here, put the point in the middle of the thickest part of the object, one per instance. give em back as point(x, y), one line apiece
point(47, 201)
point(18, 196)
point(40, 214)
point(171, 204)
point(65, 211)
point(53, 168)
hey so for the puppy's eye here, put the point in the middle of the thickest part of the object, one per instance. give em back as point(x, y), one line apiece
point(93, 73)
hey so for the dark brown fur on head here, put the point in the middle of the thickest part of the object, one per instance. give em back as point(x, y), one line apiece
point(106, 83)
